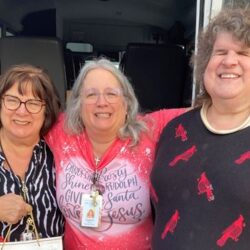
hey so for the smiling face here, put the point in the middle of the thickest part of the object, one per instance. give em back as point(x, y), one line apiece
point(227, 76)
point(103, 118)
point(20, 124)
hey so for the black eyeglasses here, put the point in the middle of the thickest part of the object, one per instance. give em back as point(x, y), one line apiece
point(13, 103)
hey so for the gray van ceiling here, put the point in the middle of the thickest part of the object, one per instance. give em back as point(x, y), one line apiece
point(83, 19)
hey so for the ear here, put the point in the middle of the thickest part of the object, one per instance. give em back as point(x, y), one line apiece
point(125, 106)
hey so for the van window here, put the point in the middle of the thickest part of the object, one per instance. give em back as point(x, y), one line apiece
point(79, 47)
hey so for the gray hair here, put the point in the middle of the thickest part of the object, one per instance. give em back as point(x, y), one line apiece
point(132, 127)
point(233, 21)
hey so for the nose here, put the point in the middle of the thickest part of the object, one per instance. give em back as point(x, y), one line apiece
point(22, 108)
point(101, 99)
point(230, 59)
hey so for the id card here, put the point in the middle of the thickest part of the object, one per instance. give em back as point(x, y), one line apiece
point(91, 207)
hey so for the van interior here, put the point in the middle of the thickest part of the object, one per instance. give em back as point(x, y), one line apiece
point(151, 41)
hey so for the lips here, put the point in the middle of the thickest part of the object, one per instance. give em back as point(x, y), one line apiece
point(21, 122)
point(229, 76)
point(103, 115)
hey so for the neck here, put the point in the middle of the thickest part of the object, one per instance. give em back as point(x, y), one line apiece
point(100, 145)
point(18, 153)
point(16, 142)
point(224, 118)
point(231, 105)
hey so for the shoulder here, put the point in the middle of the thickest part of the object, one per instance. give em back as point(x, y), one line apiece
point(156, 121)
point(190, 118)
point(57, 129)
point(164, 114)
point(162, 117)
point(43, 148)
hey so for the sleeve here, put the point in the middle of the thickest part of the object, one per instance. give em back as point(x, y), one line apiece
point(157, 120)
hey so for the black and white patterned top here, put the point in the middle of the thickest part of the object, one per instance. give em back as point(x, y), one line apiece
point(40, 181)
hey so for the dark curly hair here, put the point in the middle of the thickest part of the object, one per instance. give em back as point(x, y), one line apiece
point(233, 21)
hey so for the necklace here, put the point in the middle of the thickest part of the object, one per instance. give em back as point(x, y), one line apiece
point(30, 231)
point(97, 160)
point(23, 189)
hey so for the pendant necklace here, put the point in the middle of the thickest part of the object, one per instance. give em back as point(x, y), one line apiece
point(96, 185)
point(30, 228)
point(97, 160)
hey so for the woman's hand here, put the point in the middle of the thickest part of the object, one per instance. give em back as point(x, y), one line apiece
point(13, 208)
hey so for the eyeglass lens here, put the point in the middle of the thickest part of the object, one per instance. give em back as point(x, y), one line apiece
point(111, 95)
point(13, 103)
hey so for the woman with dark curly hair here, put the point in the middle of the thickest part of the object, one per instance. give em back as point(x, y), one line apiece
point(201, 173)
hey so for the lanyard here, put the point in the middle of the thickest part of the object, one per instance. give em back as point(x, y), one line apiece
point(96, 184)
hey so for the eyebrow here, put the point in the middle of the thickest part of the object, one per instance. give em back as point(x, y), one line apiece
point(30, 99)
point(108, 88)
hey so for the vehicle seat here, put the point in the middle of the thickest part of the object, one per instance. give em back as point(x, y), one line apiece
point(42, 52)
point(158, 74)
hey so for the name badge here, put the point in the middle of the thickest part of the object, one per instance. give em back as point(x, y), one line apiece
point(91, 207)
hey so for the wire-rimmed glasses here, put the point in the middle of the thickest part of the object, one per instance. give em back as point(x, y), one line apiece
point(111, 95)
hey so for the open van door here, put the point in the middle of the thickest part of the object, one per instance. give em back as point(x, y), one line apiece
point(205, 10)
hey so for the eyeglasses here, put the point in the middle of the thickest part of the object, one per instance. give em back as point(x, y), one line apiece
point(13, 103)
point(111, 95)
